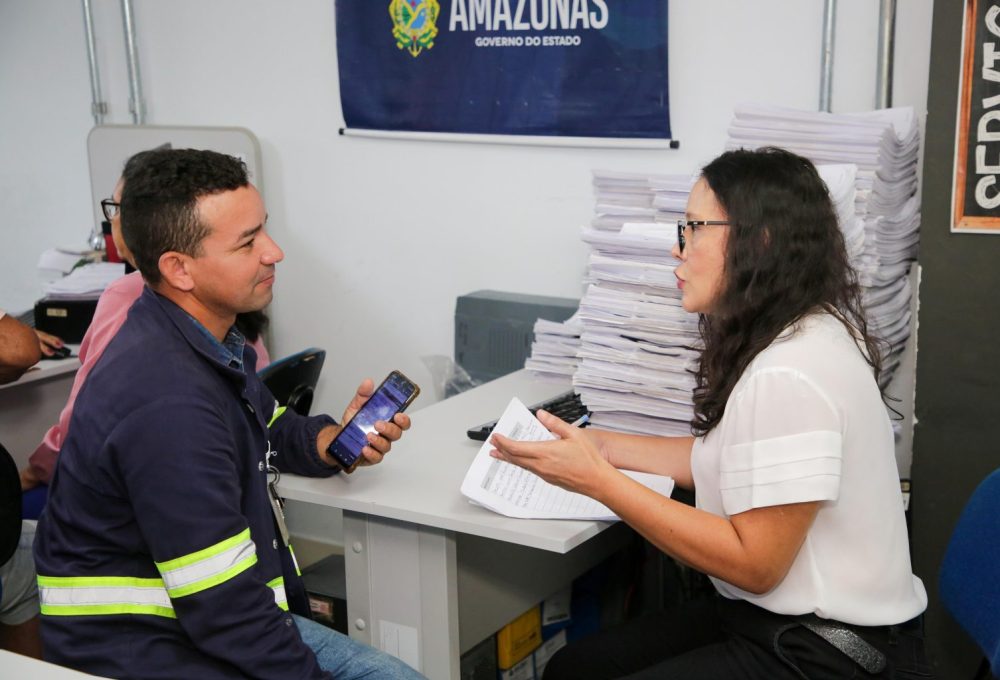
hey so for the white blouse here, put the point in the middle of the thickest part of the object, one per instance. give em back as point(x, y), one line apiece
point(805, 422)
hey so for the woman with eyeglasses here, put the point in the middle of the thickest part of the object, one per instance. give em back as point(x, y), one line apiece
point(799, 517)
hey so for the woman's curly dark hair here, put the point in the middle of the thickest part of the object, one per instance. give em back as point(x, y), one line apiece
point(785, 257)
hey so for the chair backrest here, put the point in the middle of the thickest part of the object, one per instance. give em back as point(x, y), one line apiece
point(970, 572)
point(10, 506)
point(292, 380)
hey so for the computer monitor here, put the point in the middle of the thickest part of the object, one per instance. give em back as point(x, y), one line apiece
point(292, 380)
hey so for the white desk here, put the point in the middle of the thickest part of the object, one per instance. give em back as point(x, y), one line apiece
point(16, 666)
point(30, 405)
point(423, 563)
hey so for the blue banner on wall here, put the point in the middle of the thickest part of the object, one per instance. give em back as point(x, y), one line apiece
point(582, 68)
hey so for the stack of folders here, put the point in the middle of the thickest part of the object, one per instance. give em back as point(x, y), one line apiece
point(876, 152)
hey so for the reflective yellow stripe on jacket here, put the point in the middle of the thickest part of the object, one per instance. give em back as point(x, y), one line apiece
point(182, 576)
point(278, 586)
point(278, 412)
point(97, 595)
point(216, 564)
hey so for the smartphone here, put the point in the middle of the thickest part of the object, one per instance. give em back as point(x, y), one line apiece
point(391, 397)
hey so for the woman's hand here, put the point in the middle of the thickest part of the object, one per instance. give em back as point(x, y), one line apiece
point(574, 461)
point(28, 479)
point(48, 343)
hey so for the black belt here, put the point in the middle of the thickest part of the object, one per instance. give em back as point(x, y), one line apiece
point(863, 645)
point(852, 645)
point(847, 639)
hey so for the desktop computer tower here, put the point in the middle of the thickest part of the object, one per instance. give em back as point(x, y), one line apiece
point(326, 587)
point(494, 330)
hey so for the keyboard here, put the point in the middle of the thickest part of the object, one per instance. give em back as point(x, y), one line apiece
point(567, 406)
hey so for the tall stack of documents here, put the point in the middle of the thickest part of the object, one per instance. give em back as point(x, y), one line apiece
point(635, 345)
point(553, 351)
point(879, 149)
point(636, 342)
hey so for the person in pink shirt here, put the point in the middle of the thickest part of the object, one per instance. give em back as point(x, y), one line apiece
point(112, 308)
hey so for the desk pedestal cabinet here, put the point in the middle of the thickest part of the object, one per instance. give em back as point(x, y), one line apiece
point(430, 575)
point(440, 592)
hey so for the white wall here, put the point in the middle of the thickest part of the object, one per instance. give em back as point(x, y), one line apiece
point(381, 236)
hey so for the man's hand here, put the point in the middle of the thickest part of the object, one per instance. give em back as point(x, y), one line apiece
point(378, 444)
point(19, 349)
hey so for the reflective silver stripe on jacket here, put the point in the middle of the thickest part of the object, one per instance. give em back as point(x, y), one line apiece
point(209, 567)
point(97, 595)
point(102, 595)
point(280, 598)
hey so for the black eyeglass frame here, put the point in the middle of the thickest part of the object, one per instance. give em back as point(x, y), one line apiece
point(110, 208)
point(683, 224)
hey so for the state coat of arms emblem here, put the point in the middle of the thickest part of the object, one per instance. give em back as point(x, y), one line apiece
point(414, 24)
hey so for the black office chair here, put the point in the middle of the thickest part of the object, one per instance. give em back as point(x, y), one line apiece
point(10, 506)
point(292, 380)
point(970, 572)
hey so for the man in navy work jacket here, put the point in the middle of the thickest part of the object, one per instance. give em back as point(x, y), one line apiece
point(159, 554)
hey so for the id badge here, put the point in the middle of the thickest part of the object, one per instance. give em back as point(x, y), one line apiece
point(277, 504)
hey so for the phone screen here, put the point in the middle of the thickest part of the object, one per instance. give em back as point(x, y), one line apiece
point(392, 396)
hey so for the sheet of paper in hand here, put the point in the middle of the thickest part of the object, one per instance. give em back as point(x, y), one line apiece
point(513, 491)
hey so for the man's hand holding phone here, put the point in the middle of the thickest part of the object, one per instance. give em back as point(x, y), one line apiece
point(371, 423)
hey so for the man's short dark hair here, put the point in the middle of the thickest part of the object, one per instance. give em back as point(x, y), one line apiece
point(160, 197)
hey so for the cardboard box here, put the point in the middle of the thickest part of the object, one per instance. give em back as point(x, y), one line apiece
point(523, 670)
point(480, 662)
point(519, 638)
point(556, 612)
point(546, 650)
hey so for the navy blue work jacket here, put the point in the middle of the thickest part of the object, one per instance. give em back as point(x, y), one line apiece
point(158, 554)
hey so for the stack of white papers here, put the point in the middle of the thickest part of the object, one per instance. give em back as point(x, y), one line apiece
point(61, 260)
point(629, 197)
point(637, 344)
point(877, 153)
point(553, 351)
point(515, 492)
point(633, 344)
point(86, 282)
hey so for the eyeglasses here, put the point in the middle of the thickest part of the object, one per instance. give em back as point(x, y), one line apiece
point(683, 224)
point(110, 208)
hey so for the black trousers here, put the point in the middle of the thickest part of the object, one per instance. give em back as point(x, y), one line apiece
point(719, 639)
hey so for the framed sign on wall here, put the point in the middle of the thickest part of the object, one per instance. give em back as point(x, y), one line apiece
point(976, 184)
point(527, 68)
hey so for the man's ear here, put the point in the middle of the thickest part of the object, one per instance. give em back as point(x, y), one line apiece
point(176, 271)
